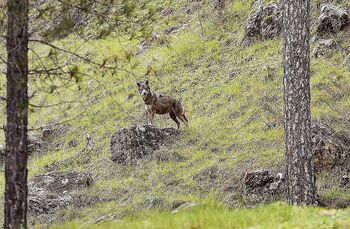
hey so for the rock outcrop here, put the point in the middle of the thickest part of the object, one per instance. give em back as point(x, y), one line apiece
point(130, 145)
point(40, 201)
point(262, 187)
point(50, 191)
point(265, 22)
point(332, 19)
point(331, 149)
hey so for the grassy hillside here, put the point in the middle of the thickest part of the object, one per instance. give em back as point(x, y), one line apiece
point(233, 94)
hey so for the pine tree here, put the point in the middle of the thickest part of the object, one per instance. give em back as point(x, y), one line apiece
point(300, 175)
point(17, 115)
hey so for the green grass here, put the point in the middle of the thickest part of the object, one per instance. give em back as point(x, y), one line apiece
point(212, 215)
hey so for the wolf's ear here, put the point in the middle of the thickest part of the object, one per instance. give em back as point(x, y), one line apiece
point(146, 82)
point(138, 83)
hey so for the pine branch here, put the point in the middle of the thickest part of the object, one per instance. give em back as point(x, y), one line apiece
point(87, 60)
point(52, 105)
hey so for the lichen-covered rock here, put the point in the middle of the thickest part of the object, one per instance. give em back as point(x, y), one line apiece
point(265, 22)
point(130, 145)
point(323, 46)
point(49, 192)
point(41, 201)
point(332, 19)
point(330, 148)
point(261, 187)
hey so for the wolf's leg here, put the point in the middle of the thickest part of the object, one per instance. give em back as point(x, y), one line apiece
point(151, 117)
point(173, 117)
point(184, 120)
point(179, 110)
point(148, 118)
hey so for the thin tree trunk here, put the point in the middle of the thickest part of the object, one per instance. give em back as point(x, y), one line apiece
point(299, 159)
point(17, 115)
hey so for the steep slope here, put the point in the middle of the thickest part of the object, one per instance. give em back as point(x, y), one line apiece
point(232, 92)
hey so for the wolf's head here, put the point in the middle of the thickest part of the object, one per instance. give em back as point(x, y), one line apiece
point(144, 89)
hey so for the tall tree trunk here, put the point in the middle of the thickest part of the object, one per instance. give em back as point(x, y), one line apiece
point(17, 115)
point(299, 159)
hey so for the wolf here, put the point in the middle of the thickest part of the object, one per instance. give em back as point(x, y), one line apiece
point(161, 104)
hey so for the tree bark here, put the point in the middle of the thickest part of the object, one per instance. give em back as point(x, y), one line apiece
point(17, 115)
point(300, 175)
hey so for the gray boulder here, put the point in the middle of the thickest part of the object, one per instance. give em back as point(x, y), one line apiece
point(262, 187)
point(265, 22)
point(130, 145)
point(332, 19)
